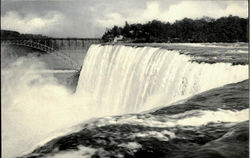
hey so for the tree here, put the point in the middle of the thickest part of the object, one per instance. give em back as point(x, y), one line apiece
point(206, 29)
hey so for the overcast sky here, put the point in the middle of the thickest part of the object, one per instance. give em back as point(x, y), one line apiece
point(90, 18)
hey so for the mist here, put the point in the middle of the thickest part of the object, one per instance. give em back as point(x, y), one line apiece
point(35, 105)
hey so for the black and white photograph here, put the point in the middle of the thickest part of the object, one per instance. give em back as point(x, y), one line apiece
point(124, 79)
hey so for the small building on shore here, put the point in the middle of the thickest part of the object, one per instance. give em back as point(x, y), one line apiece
point(118, 38)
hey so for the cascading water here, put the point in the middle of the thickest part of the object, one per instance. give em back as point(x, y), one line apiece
point(124, 79)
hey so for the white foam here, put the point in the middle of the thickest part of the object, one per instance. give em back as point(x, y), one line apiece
point(82, 152)
point(131, 145)
point(163, 135)
point(206, 117)
point(189, 118)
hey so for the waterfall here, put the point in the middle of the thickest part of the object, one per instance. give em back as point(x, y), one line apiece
point(124, 79)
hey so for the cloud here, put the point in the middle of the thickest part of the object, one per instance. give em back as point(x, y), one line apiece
point(111, 19)
point(177, 11)
point(30, 23)
point(139, 16)
point(194, 9)
point(53, 23)
point(75, 18)
point(239, 9)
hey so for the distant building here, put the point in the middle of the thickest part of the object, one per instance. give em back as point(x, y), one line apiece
point(118, 38)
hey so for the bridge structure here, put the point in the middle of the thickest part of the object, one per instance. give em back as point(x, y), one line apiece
point(52, 44)
point(28, 43)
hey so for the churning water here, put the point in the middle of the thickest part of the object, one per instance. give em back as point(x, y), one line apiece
point(113, 80)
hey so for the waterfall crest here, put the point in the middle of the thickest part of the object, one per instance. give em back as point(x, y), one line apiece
point(123, 79)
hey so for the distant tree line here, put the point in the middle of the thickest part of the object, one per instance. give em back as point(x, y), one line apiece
point(206, 29)
point(8, 34)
